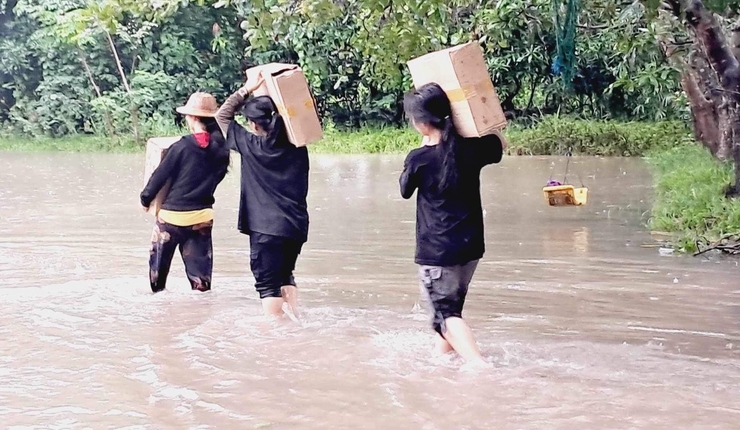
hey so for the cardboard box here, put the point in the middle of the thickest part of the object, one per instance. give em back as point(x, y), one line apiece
point(287, 86)
point(462, 73)
point(156, 148)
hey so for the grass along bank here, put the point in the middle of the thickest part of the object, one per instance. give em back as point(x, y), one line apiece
point(689, 197)
point(71, 143)
point(549, 135)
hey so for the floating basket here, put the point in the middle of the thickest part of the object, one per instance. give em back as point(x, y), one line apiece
point(565, 195)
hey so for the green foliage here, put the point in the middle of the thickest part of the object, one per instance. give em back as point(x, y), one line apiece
point(355, 53)
point(689, 196)
point(646, 81)
point(112, 67)
point(119, 66)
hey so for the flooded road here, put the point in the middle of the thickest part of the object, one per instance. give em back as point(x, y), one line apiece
point(585, 327)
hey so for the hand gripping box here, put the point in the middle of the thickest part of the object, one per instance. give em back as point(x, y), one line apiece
point(287, 86)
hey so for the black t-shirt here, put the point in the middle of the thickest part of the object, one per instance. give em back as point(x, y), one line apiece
point(194, 172)
point(274, 184)
point(449, 224)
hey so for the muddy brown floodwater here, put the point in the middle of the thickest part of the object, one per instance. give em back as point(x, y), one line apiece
point(585, 327)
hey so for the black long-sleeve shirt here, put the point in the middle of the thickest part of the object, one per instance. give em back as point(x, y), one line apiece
point(194, 176)
point(449, 224)
point(274, 178)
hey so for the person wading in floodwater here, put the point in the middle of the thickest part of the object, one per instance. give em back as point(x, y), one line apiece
point(445, 172)
point(274, 186)
point(194, 165)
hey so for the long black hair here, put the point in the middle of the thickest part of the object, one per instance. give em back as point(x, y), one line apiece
point(263, 112)
point(218, 150)
point(430, 105)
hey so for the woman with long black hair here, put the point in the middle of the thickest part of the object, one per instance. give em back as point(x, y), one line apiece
point(274, 186)
point(194, 165)
point(445, 173)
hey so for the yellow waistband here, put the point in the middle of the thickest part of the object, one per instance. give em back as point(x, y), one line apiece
point(186, 219)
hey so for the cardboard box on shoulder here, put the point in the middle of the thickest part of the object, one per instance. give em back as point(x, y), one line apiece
point(462, 73)
point(287, 86)
point(156, 149)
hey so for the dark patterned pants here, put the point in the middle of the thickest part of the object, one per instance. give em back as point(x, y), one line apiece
point(196, 249)
point(445, 289)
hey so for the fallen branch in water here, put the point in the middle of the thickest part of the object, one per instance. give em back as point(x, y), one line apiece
point(729, 244)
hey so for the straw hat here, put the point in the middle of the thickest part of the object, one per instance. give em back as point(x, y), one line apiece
point(200, 104)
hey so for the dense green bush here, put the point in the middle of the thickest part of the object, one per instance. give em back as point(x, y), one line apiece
point(553, 135)
point(550, 135)
point(118, 67)
point(689, 196)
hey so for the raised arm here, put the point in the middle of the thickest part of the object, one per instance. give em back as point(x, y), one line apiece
point(227, 111)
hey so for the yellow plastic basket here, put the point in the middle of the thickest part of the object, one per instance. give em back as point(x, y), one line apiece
point(565, 195)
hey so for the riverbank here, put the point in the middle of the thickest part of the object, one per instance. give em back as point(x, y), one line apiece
point(547, 136)
point(690, 203)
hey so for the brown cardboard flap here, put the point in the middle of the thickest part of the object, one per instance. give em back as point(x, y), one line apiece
point(156, 148)
point(432, 55)
point(272, 69)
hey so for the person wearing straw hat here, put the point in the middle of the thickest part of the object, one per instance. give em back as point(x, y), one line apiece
point(194, 165)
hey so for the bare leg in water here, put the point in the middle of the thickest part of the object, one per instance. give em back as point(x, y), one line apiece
point(459, 338)
point(441, 346)
point(273, 306)
point(290, 296)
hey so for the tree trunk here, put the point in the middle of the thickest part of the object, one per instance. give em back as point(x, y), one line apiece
point(720, 55)
point(132, 105)
point(7, 100)
point(532, 89)
point(703, 114)
point(698, 85)
point(106, 114)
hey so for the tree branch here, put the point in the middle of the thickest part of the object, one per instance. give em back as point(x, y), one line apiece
point(118, 63)
point(90, 76)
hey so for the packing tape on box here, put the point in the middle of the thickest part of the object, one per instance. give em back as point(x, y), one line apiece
point(461, 94)
point(292, 111)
